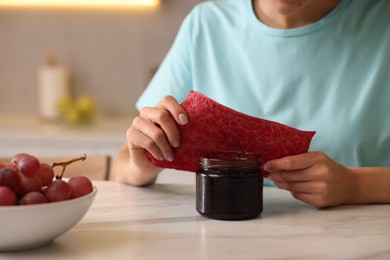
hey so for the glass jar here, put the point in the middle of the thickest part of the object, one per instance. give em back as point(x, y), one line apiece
point(229, 186)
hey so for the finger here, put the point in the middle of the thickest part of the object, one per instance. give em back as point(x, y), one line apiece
point(176, 110)
point(301, 186)
point(275, 176)
point(294, 162)
point(139, 142)
point(293, 176)
point(311, 199)
point(164, 121)
point(145, 134)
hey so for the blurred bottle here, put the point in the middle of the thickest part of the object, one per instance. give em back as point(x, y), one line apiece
point(53, 85)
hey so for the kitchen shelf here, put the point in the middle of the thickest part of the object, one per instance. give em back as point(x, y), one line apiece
point(26, 133)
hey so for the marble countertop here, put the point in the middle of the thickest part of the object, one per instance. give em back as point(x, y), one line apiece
point(160, 222)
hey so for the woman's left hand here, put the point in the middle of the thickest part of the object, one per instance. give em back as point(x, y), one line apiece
point(313, 178)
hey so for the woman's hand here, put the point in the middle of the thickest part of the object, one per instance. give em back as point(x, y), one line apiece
point(155, 131)
point(313, 178)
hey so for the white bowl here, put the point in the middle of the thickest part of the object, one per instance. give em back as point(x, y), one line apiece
point(30, 226)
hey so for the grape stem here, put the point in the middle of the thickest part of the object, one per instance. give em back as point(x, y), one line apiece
point(66, 163)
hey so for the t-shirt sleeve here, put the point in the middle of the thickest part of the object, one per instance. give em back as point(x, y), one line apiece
point(173, 76)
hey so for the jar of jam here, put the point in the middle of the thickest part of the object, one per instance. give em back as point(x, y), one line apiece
point(229, 186)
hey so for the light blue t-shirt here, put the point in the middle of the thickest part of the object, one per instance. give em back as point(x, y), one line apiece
point(332, 77)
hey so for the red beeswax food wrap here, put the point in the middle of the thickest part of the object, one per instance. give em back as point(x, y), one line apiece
point(213, 127)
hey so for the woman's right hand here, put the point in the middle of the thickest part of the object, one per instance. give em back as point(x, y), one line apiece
point(155, 131)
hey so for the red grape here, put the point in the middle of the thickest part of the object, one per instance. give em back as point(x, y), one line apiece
point(27, 181)
point(58, 190)
point(15, 159)
point(33, 197)
point(9, 178)
point(27, 185)
point(80, 186)
point(7, 196)
point(45, 174)
point(26, 164)
point(18, 156)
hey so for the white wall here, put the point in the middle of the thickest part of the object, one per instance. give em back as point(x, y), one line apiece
point(108, 53)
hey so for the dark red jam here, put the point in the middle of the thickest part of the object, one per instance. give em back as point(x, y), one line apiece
point(229, 186)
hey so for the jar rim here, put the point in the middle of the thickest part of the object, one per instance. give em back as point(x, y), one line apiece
point(229, 159)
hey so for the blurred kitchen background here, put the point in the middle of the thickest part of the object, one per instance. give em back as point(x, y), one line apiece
point(110, 54)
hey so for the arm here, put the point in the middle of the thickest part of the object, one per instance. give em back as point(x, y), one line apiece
point(373, 185)
point(316, 179)
point(124, 171)
point(155, 131)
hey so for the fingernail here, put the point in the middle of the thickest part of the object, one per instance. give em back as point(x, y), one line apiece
point(170, 158)
point(176, 144)
point(183, 119)
point(160, 158)
point(266, 167)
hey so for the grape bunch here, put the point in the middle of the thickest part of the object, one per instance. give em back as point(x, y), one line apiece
point(26, 180)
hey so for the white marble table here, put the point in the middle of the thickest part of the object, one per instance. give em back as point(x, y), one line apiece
point(160, 222)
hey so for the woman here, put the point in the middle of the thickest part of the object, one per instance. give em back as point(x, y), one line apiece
point(318, 65)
